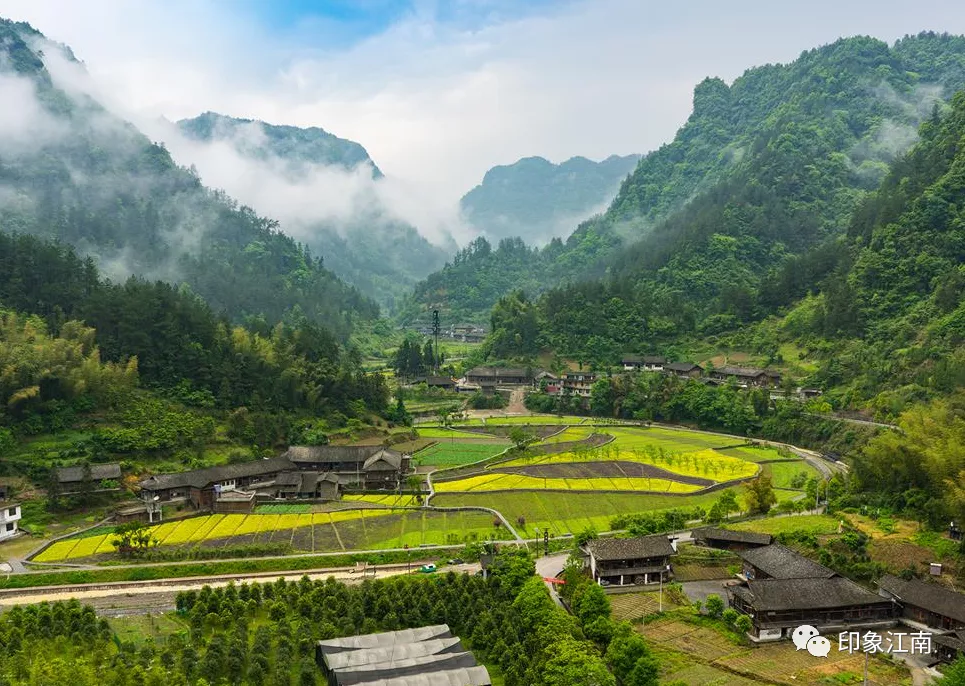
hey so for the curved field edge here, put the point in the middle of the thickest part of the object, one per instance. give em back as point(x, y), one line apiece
point(369, 529)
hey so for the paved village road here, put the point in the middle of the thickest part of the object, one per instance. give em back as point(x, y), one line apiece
point(143, 595)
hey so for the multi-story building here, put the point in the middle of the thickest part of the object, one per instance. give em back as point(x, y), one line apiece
point(9, 517)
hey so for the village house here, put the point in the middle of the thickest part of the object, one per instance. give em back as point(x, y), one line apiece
point(925, 602)
point(782, 590)
point(685, 370)
point(467, 333)
point(427, 656)
point(368, 467)
point(831, 605)
point(949, 647)
point(647, 363)
point(10, 514)
point(746, 376)
point(629, 561)
point(446, 383)
point(71, 479)
point(299, 485)
point(490, 377)
point(726, 539)
point(201, 487)
point(777, 562)
point(579, 383)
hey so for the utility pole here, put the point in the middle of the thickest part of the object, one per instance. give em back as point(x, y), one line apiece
point(435, 333)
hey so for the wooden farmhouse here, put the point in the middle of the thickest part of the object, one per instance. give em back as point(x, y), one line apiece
point(630, 561)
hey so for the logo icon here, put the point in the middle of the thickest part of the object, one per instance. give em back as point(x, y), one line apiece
point(802, 635)
point(819, 646)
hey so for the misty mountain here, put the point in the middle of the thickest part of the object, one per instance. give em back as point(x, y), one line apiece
point(763, 170)
point(71, 170)
point(538, 200)
point(325, 190)
point(258, 140)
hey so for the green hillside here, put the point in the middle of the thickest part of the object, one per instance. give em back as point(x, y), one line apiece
point(704, 228)
point(77, 173)
point(370, 250)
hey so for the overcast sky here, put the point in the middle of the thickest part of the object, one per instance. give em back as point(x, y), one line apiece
point(438, 92)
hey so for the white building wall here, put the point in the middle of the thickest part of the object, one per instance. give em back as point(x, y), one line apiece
point(9, 517)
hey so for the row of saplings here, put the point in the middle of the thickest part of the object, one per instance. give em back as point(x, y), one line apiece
point(266, 633)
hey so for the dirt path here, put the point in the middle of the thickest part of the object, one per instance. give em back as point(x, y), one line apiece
point(131, 596)
point(516, 404)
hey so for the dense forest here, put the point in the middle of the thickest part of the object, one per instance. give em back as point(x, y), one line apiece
point(70, 170)
point(266, 633)
point(711, 230)
point(80, 341)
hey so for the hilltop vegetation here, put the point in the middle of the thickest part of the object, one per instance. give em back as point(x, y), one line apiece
point(369, 248)
point(74, 172)
point(711, 230)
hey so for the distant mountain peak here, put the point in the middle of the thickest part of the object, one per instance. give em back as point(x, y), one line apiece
point(539, 200)
point(259, 139)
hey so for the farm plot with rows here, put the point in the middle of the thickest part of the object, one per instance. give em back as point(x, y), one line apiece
point(637, 459)
point(510, 482)
point(368, 529)
point(448, 453)
point(562, 512)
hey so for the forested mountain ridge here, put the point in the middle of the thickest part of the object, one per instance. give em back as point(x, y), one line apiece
point(762, 171)
point(537, 200)
point(71, 170)
point(366, 245)
point(312, 145)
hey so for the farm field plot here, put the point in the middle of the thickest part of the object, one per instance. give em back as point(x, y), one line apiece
point(809, 523)
point(390, 500)
point(573, 433)
point(500, 482)
point(450, 454)
point(453, 434)
point(705, 464)
point(784, 473)
point(293, 508)
point(759, 453)
point(561, 512)
point(371, 529)
point(631, 606)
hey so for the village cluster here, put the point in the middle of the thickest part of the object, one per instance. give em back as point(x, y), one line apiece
point(782, 591)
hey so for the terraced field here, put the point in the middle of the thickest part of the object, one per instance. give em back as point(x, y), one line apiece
point(447, 453)
point(562, 512)
point(637, 459)
point(368, 529)
point(509, 482)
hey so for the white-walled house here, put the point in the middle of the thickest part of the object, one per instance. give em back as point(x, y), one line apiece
point(9, 516)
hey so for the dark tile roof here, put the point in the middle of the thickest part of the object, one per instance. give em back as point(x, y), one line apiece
point(499, 372)
point(682, 366)
point(98, 472)
point(383, 460)
point(927, 595)
point(653, 359)
point(805, 594)
point(749, 372)
point(440, 381)
point(731, 535)
point(630, 548)
point(349, 455)
point(954, 639)
point(200, 478)
point(783, 563)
